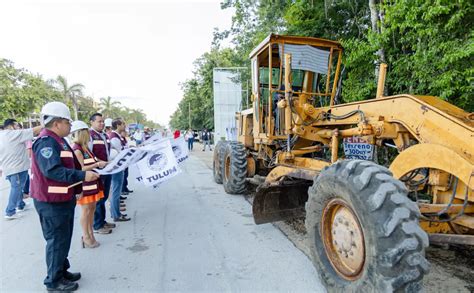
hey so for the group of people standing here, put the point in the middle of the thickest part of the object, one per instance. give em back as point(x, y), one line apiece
point(190, 135)
point(62, 175)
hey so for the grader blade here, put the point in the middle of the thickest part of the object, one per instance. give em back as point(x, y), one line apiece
point(280, 201)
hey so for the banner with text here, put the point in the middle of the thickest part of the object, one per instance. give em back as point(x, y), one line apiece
point(159, 164)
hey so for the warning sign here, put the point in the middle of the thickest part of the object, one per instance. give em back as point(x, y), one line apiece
point(358, 148)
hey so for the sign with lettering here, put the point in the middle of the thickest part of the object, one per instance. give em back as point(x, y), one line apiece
point(158, 165)
point(120, 162)
point(358, 148)
point(180, 149)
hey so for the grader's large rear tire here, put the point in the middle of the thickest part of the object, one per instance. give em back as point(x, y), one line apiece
point(363, 230)
point(218, 158)
point(234, 168)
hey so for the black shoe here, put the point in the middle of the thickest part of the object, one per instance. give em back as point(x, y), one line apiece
point(64, 286)
point(124, 193)
point(73, 277)
point(129, 191)
point(123, 197)
point(122, 201)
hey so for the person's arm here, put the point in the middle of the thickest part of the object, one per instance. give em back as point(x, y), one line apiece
point(37, 130)
point(21, 135)
point(116, 145)
point(47, 155)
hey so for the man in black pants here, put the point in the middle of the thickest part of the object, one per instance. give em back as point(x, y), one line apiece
point(55, 169)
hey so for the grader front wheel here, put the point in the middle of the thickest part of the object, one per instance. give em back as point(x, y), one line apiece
point(234, 168)
point(218, 158)
point(363, 230)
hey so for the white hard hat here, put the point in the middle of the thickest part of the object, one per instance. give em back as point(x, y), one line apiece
point(55, 110)
point(108, 122)
point(78, 125)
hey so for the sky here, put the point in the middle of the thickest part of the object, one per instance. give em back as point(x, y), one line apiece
point(137, 52)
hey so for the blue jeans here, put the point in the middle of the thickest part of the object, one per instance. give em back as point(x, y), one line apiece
point(116, 191)
point(125, 181)
point(99, 215)
point(190, 143)
point(26, 188)
point(15, 200)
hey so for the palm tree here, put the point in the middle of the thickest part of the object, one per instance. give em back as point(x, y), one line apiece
point(70, 92)
point(138, 115)
point(107, 106)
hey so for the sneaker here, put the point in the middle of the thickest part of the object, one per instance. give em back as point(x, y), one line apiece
point(123, 197)
point(122, 219)
point(124, 193)
point(129, 191)
point(109, 225)
point(64, 286)
point(13, 217)
point(103, 230)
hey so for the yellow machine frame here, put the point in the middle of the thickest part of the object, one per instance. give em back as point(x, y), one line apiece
point(426, 131)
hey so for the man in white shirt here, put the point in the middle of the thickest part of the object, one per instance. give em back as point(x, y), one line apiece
point(138, 136)
point(14, 162)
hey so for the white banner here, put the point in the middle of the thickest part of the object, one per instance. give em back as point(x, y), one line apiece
point(158, 165)
point(121, 161)
point(180, 149)
point(154, 138)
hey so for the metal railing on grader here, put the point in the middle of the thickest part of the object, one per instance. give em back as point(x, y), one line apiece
point(375, 180)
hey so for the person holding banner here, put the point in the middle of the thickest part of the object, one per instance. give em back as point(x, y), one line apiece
point(99, 146)
point(117, 144)
point(92, 191)
point(55, 180)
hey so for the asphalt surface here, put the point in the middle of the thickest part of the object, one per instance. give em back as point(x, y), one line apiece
point(187, 236)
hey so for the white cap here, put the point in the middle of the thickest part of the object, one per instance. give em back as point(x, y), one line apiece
point(78, 125)
point(108, 122)
point(55, 110)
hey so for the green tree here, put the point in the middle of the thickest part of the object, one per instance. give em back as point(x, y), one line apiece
point(107, 106)
point(22, 93)
point(70, 93)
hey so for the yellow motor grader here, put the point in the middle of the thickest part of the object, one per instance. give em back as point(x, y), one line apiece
point(375, 180)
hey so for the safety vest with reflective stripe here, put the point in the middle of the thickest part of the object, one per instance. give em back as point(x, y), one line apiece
point(123, 141)
point(91, 187)
point(48, 190)
point(99, 146)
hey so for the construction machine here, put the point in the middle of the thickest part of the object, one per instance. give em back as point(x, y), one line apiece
point(375, 180)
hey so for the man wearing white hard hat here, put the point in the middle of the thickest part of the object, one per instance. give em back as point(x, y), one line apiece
point(55, 181)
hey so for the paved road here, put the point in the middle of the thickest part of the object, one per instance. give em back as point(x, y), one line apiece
point(187, 236)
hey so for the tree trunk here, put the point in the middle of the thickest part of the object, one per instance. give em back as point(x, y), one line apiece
point(74, 105)
point(376, 19)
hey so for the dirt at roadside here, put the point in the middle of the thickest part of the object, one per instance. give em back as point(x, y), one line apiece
point(452, 267)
